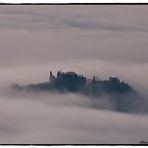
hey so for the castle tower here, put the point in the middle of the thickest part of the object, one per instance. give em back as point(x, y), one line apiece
point(50, 74)
point(51, 77)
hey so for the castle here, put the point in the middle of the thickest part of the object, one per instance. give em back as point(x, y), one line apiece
point(73, 82)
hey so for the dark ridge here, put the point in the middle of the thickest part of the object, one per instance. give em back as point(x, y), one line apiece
point(72, 82)
point(121, 93)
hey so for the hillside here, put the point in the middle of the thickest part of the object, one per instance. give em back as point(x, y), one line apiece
point(124, 97)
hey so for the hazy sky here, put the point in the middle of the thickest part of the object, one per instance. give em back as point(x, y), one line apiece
point(40, 34)
point(101, 40)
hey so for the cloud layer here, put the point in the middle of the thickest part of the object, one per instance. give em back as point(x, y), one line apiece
point(32, 120)
point(91, 40)
point(42, 34)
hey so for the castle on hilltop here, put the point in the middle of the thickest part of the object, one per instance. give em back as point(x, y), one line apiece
point(119, 92)
point(76, 83)
point(73, 82)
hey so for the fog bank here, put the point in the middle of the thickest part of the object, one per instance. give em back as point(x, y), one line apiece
point(32, 121)
point(96, 40)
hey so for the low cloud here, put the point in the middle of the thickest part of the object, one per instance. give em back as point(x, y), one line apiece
point(28, 120)
point(40, 34)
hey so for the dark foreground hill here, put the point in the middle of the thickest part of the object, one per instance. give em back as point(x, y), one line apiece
point(124, 97)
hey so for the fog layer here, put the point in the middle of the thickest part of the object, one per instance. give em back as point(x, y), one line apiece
point(91, 40)
point(69, 121)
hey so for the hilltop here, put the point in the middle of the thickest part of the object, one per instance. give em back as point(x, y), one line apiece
point(121, 93)
point(72, 82)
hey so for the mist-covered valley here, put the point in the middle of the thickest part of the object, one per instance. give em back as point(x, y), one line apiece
point(71, 118)
point(90, 40)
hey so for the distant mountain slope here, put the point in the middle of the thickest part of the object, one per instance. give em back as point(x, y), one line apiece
point(123, 95)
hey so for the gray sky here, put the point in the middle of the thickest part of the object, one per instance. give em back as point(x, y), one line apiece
point(40, 34)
